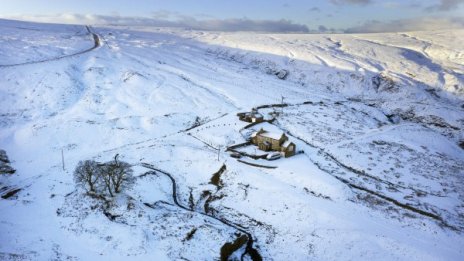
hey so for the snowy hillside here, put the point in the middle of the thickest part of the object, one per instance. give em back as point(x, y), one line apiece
point(377, 121)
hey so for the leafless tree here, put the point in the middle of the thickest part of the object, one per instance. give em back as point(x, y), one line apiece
point(117, 175)
point(106, 179)
point(87, 174)
point(112, 177)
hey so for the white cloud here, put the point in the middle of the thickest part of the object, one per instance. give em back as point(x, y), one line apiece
point(164, 20)
point(404, 25)
point(244, 24)
point(356, 2)
point(314, 9)
point(445, 5)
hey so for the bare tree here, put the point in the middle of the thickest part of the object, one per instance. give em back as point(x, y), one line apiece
point(87, 174)
point(106, 178)
point(117, 175)
point(112, 177)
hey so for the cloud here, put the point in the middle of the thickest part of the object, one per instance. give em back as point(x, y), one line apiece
point(391, 5)
point(404, 25)
point(247, 25)
point(445, 5)
point(322, 28)
point(314, 9)
point(349, 2)
point(244, 24)
point(168, 20)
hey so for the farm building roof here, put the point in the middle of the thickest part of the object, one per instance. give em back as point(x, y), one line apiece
point(286, 144)
point(272, 135)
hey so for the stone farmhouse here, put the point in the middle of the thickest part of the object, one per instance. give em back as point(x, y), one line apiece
point(268, 141)
point(252, 116)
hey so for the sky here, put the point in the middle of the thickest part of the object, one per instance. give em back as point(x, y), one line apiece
point(351, 16)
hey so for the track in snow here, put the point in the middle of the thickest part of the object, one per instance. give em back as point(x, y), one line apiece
point(97, 43)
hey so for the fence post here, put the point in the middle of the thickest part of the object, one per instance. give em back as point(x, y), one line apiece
point(62, 158)
point(219, 151)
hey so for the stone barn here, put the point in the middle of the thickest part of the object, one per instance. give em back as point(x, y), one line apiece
point(252, 116)
point(269, 141)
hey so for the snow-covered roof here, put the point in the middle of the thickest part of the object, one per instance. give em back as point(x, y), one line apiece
point(272, 135)
point(286, 143)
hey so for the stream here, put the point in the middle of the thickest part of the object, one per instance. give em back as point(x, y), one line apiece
point(228, 249)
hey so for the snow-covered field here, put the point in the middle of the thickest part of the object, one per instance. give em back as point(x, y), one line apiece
point(379, 119)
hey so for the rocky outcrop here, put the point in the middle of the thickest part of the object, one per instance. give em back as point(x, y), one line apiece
point(461, 144)
point(5, 167)
point(384, 83)
point(282, 74)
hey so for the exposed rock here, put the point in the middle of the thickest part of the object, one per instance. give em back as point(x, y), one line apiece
point(269, 70)
point(433, 92)
point(4, 157)
point(282, 74)
point(382, 82)
point(11, 193)
point(461, 144)
point(5, 167)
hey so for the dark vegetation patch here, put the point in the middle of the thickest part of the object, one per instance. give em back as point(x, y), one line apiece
point(229, 248)
point(216, 178)
point(319, 195)
point(191, 200)
point(190, 234)
point(211, 199)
